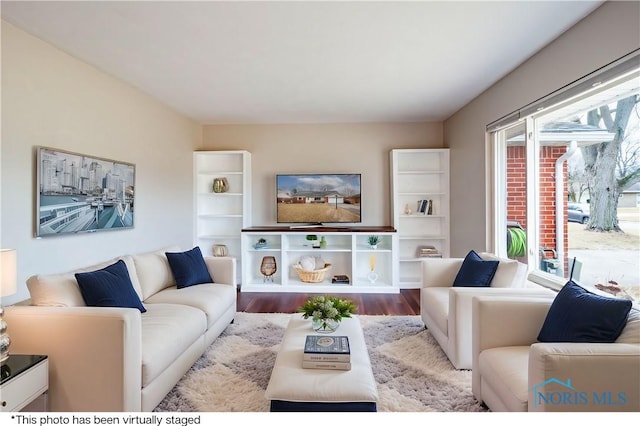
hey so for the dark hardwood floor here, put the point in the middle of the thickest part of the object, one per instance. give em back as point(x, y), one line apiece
point(407, 302)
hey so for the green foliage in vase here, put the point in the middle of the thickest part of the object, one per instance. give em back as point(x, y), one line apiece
point(374, 240)
point(327, 307)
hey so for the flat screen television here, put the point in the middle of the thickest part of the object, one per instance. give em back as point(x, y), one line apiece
point(318, 198)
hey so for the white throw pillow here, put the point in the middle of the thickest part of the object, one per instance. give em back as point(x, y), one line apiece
point(631, 331)
point(63, 290)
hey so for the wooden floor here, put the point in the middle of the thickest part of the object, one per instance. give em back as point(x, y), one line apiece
point(407, 302)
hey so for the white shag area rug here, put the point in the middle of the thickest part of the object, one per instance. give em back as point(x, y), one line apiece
point(412, 372)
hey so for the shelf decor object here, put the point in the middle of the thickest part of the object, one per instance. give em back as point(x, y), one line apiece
point(220, 250)
point(372, 276)
point(8, 286)
point(220, 184)
point(314, 276)
point(374, 240)
point(261, 244)
point(268, 267)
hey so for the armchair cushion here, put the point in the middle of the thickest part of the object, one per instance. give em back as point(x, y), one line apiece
point(577, 315)
point(475, 271)
point(189, 268)
point(109, 287)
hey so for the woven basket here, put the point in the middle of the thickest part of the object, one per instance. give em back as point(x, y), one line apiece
point(315, 276)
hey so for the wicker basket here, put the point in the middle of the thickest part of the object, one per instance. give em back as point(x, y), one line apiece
point(315, 276)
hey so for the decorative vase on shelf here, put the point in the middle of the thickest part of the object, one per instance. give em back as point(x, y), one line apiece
point(220, 250)
point(323, 243)
point(268, 268)
point(324, 325)
point(372, 276)
point(220, 184)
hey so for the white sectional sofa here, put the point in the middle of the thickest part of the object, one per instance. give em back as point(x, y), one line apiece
point(513, 371)
point(446, 310)
point(120, 359)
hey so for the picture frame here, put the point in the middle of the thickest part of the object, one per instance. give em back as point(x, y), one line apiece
point(78, 193)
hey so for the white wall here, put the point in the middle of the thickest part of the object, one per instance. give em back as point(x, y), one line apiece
point(607, 34)
point(323, 148)
point(51, 99)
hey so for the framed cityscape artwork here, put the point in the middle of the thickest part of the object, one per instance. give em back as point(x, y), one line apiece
point(77, 193)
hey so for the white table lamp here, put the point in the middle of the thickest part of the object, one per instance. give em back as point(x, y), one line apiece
point(8, 286)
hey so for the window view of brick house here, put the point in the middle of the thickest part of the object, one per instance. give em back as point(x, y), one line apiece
point(549, 191)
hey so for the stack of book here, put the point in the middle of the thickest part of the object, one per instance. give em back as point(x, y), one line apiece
point(429, 251)
point(425, 207)
point(340, 279)
point(327, 353)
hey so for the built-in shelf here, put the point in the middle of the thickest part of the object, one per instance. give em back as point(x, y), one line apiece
point(221, 216)
point(347, 251)
point(419, 174)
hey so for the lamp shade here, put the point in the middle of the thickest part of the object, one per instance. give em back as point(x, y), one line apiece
point(8, 272)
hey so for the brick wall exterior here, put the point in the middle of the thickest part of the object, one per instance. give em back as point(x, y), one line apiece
point(517, 196)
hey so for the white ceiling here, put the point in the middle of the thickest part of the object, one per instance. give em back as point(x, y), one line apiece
point(302, 62)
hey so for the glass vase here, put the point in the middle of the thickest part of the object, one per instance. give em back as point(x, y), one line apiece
point(324, 325)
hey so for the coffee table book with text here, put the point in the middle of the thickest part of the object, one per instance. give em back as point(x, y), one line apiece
point(327, 352)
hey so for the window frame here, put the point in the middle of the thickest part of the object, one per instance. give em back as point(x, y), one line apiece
point(530, 116)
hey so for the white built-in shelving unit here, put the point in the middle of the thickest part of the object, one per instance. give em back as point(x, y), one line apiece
point(347, 251)
point(220, 217)
point(419, 174)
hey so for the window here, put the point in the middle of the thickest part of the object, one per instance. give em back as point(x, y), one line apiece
point(561, 173)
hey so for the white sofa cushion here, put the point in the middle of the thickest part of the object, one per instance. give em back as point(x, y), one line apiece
point(167, 331)
point(212, 299)
point(436, 303)
point(154, 272)
point(63, 290)
point(505, 377)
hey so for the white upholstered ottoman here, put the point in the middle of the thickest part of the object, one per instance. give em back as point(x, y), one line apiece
point(293, 388)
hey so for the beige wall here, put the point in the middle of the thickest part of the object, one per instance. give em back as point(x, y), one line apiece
point(52, 99)
point(323, 148)
point(609, 33)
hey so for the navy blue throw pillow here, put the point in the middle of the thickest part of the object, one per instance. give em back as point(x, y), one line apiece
point(577, 315)
point(475, 271)
point(109, 287)
point(189, 268)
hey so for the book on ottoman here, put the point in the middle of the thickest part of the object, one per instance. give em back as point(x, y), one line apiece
point(326, 365)
point(327, 349)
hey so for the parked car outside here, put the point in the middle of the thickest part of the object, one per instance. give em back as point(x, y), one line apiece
point(578, 212)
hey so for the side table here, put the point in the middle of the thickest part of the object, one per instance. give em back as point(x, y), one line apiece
point(25, 379)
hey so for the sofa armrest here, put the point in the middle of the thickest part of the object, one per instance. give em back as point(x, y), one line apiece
point(499, 321)
point(459, 329)
point(604, 376)
point(440, 272)
point(222, 269)
point(95, 354)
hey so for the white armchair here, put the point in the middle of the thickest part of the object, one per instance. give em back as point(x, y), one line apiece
point(446, 310)
point(514, 372)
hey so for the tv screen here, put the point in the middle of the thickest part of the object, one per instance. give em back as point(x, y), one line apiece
point(318, 198)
